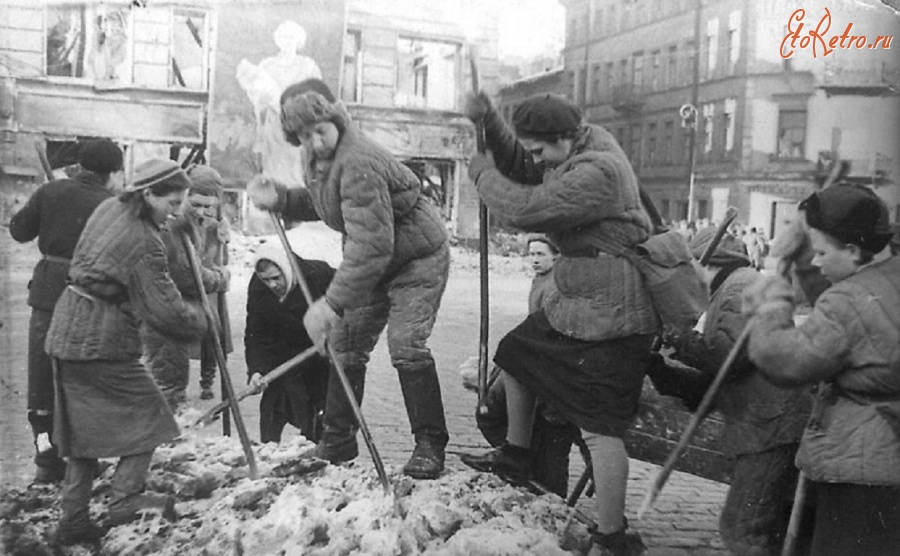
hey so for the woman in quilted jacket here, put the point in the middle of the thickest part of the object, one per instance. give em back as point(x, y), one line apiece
point(107, 404)
point(396, 259)
point(850, 346)
point(586, 350)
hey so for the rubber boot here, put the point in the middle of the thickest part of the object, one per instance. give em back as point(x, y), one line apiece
point(425, 409)
point(50, 467)
point(207, 368)
point(338, 443)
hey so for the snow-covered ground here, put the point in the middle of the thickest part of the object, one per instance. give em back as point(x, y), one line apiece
point(295, 508)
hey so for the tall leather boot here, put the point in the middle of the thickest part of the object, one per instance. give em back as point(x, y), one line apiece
point(50, 467)
point(338, 443)
point(425, 409)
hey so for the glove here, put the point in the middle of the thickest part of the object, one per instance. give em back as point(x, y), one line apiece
point(256, 383)
point(319, 319)
point(224, 279)
point(223, 231)
point(791, 242)
point(478, 164)
point(264, 192)
point(767, 293)
point(477, 106)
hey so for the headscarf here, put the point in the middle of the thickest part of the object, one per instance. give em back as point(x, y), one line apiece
point(274, 252)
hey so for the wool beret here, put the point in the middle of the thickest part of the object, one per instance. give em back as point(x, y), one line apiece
point(157, 171)
point(205, 181)
point(850, 213)
point(543, 117)
point(100, 155)
point(729, 250)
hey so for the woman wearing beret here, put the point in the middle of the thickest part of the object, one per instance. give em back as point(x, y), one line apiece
point(850, 346)
point(56, 215)
point(107, 404)
point(586, 350)
point(396, 259)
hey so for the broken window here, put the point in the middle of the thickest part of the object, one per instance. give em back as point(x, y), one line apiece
point(437, 176)
point(189, 39)
point(86, 41)
point(351, 87)
point(427, 74)
point(160, 47)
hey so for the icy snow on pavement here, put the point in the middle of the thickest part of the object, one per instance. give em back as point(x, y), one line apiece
point(297, 509)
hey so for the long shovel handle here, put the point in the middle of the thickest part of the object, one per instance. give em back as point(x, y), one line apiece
point(790, 537)
point(194, 262)
point(730, 215)
point(270, 377)
point(696, 419)
point(339, 369)
point(482, 255)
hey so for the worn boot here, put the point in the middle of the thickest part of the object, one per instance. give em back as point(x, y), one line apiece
point(338, 443)
point(425, 409)
point(207, 369)
point(128, 509)
point(87, 532)
point(512, 463)
point(620, 543)
point(427, 459)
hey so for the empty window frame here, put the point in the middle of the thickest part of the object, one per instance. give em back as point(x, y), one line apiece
point(427, 74)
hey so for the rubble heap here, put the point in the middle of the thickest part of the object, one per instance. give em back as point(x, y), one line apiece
point(301, 506)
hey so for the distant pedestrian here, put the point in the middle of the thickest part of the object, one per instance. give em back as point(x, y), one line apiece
point(55, 215)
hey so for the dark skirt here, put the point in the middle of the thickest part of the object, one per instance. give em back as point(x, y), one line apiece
point(109, 409)
point(856, 519)
point(595, 385)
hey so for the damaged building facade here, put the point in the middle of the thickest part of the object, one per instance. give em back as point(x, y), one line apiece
point(201, 81)
point(765, 125)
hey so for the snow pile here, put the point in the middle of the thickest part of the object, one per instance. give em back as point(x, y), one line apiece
point(300, 506)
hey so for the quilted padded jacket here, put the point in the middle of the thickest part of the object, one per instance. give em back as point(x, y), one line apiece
point(377, 204)
point(592, 195)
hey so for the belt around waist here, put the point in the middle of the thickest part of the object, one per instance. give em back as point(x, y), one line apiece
point(55, 259)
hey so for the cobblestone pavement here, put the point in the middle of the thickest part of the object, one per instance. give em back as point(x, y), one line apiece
point(683, 521)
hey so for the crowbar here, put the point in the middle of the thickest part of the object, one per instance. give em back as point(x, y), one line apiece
point(338, 368)
point(194, 262)
point(482, 254)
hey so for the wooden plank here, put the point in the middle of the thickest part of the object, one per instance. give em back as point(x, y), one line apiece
point(658, 427)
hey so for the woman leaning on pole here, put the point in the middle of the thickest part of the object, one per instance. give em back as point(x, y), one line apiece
point(107, 404)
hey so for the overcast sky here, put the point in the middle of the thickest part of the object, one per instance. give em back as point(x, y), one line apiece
point(529, 27)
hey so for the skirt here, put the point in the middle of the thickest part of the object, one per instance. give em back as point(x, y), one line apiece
point(595, 385)
point(109, 409)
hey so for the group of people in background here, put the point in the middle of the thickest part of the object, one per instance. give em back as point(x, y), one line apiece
point(116, 311)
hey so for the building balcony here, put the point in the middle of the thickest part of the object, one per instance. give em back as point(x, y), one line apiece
point(627, 98)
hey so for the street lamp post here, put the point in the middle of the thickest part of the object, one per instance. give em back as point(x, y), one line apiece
point(689, 119)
